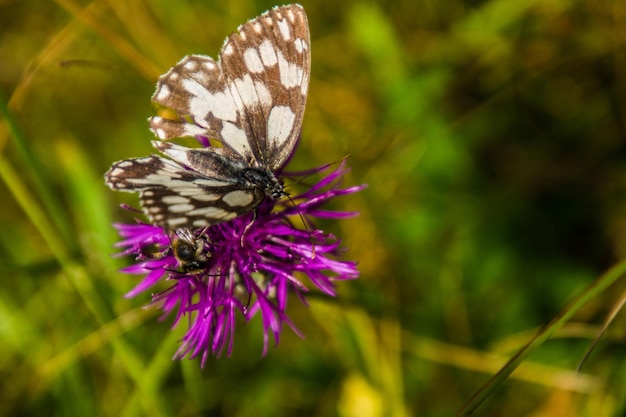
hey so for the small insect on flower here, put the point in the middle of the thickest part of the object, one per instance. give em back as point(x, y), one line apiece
point(188, 254)
point(190, 251)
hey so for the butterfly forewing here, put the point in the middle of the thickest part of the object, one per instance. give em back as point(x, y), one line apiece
point(173, 197)
point(253, 98)
point(267, 64)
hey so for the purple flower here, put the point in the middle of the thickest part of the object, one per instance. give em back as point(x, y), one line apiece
point(249, 265)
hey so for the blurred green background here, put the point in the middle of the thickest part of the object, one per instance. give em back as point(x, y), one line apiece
point(492, 135)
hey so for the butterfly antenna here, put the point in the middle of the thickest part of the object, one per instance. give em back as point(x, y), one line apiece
point(304, 223)
point(305, 175)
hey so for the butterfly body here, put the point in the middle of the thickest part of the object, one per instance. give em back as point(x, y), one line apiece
point(251, 100)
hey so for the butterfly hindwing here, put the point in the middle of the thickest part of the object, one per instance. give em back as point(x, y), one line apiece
point(173, 197)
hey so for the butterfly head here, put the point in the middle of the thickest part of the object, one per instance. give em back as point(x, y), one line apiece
point(266, 181)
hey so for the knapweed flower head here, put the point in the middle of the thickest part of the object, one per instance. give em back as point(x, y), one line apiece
point(245, 266)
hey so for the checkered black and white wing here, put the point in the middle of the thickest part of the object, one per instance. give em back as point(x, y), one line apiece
point(252, 99)
point(173, 196)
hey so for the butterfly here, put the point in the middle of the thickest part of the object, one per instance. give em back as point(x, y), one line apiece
point(250, 101)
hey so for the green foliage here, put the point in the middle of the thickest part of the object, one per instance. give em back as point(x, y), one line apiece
point(492, 136)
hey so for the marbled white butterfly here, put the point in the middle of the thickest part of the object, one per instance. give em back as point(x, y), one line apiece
point(251, 100)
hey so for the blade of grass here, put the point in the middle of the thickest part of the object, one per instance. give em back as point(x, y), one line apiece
point(607, 322)
point(124, 48)
point(38, 175)
point(77, 274)
point(87, 202)
point(612, 275)
point(33, 210)
point(469, 359)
